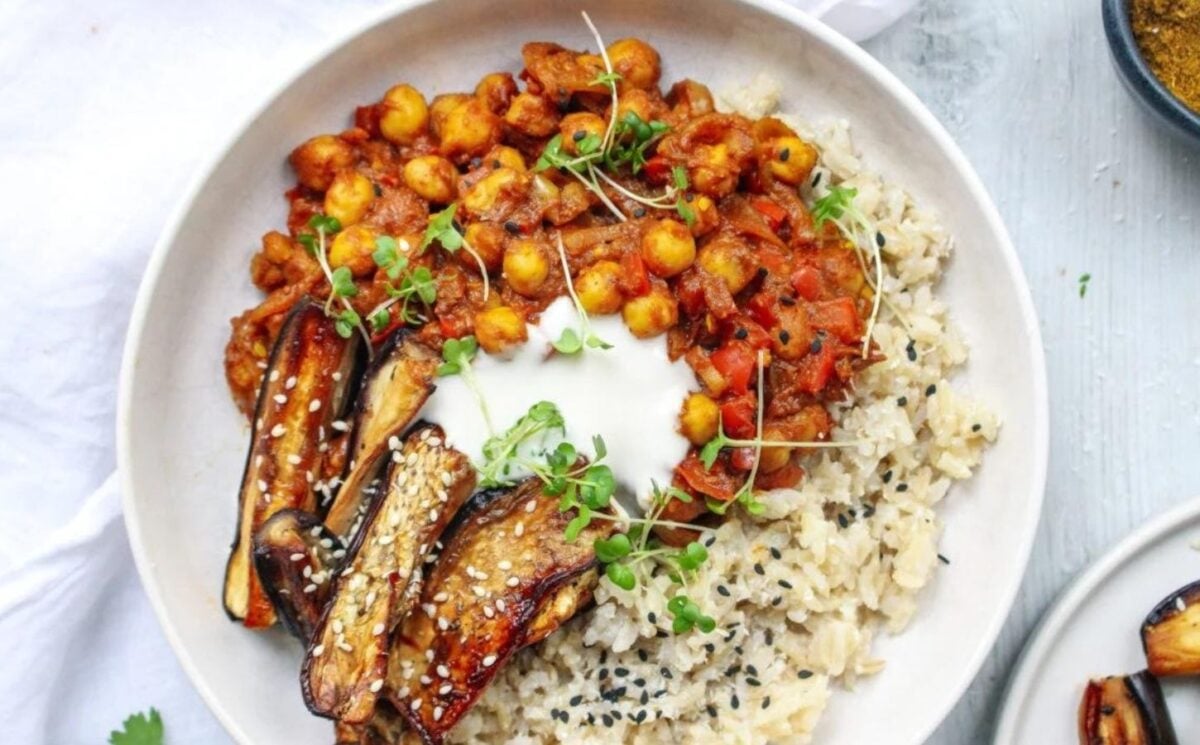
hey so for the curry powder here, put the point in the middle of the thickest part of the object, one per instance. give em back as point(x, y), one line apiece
point(1168, 33)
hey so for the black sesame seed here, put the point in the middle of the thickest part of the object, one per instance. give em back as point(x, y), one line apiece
point(554, 713)
point(645, 698)
point(741, 333)
point(616, 714)
point(868, 510)
point(766, 702)
point(639, 212)
point(733, 670)
point(804, 674)
point(785, 584)
point(512, 227)
point(784, 154)
point(643, 655)
point(621, 672)
point(619, 692)
point(729, 637)
point(787, 300)
point(784, 336)
point(816, 179)
point(932, 389)
point(758, 569)
point(842, 520)
point(577, 699)
point(879, 240)
point(775, 603)
point(603, 674)
point(712, 710)
point(661, 634)
point(564, 716)
point(378, 190)
point(816, 346)
point(689, 197)
point(710, 541)
point(902, 401)
point(776, 553)
point(976, 427)
point(943, 559)
point(902, 487)
point(753, 682)
point(665, 672)
point(710, 647)
point(1107, 710)
point(738, 649)
point(608, 721)
point(733, 701)
point(911, 350)
point(639, 682)
point(723, 591)
point(604, 657)
point(887, 476)
point(641, 716)
point(651, 617)
point(591, 718)
point(475, 162)
point(751, 669)
point(769, 637)
point(660, 693)
point(579, 134)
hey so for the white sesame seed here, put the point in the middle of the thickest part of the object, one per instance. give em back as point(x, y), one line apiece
point(273, 376)
point(261, 365)
point(258, 423)
point(376, 685)
point(481, 575)
point(437, 713)
point(442, 495)
point(298, 557)
point(315, 405)
point(416, 704)
point(487, 611)
point(326, 543)
point(280, 398)
point(394, 442)
point(489, 660)
point(290, 383)
point(512, 582)
point(278, 430)
point(262, 485)
point(411, 459)
point(443, 624)
point(315, 532)
point(530, 506)
point(310, 588)
point(446, 478)
point(446, 688)
point(429, 655)
point(443, 671)
point(435, 442)
point(500, 604)
point(386, 539)
point(519, 530)
point(307, 571)
point(294, 459)
point(337, 376)
point(441, 597)
point(341, 552)
point(337, 626)
point(323, 447)
point(470, 571)
point(426, 680)
point(370, 599)
point(479, 592)
point(379, 627)
point(318, 650)
point(258, 459)
point(339, 425)
point(433, 516)
point(345, 647)
point(424, 435)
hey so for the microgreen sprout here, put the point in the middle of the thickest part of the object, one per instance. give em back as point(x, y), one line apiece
point(679, 174)
point(837, 206)
point(442, 229)
point(341, 280)
point(456, 360)
point(415, 284)
point(572, 341)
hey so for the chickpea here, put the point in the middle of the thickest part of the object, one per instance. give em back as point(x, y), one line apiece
point(348, 197)
point(487, 238)
point(698, 419)
point(707, 216)
point(485, 194)
point(651, 314)
point(432, 177)
point(575, 127)
point(496, 91)
point(318, 160)
point(716, 176)
point(773, 458)
point(639, 103)
point(353, 248)
point(598, 288)
point(404, 115)
point(499, 328)
point(532, 115)
point(440, 109)
point(668, 248)
point(470, 129)
point(791, 159)
point(526, 266)
point(729, 259)
point(637, 61)
point(691, 99)
point(503, 156)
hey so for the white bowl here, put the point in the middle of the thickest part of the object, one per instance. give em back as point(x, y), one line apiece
point(182, 443)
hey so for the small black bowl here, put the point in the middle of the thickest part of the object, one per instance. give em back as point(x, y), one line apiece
point(1138, 78)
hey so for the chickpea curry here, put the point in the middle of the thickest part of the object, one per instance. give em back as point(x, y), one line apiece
point(467, 214)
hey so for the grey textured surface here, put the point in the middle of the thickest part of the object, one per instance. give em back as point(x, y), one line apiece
point(1086, 184)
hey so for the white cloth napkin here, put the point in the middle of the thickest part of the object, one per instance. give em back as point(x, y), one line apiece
point(107, 107)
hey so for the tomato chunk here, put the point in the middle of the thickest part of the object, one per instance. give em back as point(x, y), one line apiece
point(738, 416)
point(838, 317)
point(735, 362)
point(634, 281)
point(774, 214)
point(806, 281)
point(716, 482)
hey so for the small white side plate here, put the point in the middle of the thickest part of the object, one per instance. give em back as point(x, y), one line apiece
point(1094, 630)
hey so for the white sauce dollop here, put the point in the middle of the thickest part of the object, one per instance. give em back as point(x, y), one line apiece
point(630, 395)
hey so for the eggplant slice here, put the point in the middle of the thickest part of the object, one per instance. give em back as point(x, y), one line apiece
point(1125, 710)
point(303, 390)
point(385, 728)
point(347, 659)
point(394, 389)
point(505, 578)
point(295, 556)
point(1171, 633)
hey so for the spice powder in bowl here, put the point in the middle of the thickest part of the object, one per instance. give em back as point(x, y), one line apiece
point(1168, 35)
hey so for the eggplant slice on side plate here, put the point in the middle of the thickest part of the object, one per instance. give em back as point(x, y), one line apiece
point(1125, 710)
point(505, 578)
point(296, 556)
point(394, 389)
point(1171, 634)
point(303, 390)
point(344, 668)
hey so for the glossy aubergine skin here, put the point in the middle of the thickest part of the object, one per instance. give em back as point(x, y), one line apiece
point(299, 397)
point(1171, 634)
point(393, 390)
point(1125, 710)
point(295, 556)
point(506, 577)
point(347, 659)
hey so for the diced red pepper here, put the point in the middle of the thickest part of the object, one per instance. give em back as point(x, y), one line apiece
point(815, 369)
point(742, 459)
point(774, 214)
point(716, 482)
point(657, 170)
point(838, 317)
point(756, 336)
point(806, 281)
point(761, 308)
point(735, 362)
point(738, 416)
point(634, 281)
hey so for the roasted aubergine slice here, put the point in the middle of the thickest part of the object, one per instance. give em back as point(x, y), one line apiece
point(386, 727)
point(347, 659)
point(295, 556)
point(393, 390)
point(303, 391)
point(506, 577)
point(1125, 710)
point(1171, 634)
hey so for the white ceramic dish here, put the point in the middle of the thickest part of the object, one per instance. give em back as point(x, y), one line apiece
point(1093, 630)
point(182, 443)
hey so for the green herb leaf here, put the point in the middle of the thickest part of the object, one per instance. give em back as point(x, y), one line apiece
point(443, 230)
point(607, 79)
point(598, 486)
point(599, 446)
point(578, 523)
point(139, 729)
point(380, 320)
point(325, 224)
point(346, 322)
point(712, 449)
point(343, 282)
point(612, 549)
point(679, 173)
point(706, 624)
point(685, 211)
point(621, 576)
point(457, 354)
point(568, 343)
point(834, 204)
point(692, 556)
point(309, 241)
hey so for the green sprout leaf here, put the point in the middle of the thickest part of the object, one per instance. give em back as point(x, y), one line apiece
point(457, 355)
point(342, 281)
point(380, 320)
point(568, 343)
point(612, 549)
point(1083, 283)
point(692, 556)
point(578, 523)
point(685, 211)
point(442, 230)
point(139, 729)
point(833, 205)
point(324, 224)
point(621, 576)
point(607, 79)
point(346, 322)
point(679, 174)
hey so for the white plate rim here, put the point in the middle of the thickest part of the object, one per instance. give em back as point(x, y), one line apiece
point(1046, 633)
point(785, 13)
